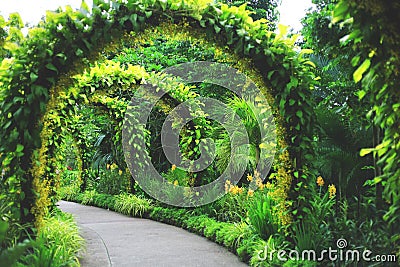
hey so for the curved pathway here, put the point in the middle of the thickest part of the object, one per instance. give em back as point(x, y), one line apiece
point(117, 240)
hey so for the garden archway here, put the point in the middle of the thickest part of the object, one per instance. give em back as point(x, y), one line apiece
point(63, 45)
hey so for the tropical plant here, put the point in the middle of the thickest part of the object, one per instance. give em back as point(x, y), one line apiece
point(261, 215)
point(340, 139)
point(247, 154)
point(230, 208)
point(132, 205)
point(10, 254)
point(106, 150)
point(314, 229)
point(379, 77)
point(57, 243)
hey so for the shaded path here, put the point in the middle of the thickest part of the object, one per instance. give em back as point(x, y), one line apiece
point(116, 240)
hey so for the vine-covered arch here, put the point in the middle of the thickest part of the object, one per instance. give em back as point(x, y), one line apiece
point(60, 117)
point(62, 45)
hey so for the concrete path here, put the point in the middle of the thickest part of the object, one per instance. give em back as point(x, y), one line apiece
point(116, 240)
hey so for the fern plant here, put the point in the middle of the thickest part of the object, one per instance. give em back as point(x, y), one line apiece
point(340, 139)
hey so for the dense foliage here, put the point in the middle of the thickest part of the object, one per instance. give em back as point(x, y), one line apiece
point(31, 86)
point(377, 62)
point(65, 89)
point(261, 9)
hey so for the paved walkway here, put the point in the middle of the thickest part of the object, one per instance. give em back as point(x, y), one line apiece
point(116, 240)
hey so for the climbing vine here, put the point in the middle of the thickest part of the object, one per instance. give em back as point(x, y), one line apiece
point(377, 68)
point(35, 104)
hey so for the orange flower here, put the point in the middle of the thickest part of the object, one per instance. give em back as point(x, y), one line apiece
point(320, 181)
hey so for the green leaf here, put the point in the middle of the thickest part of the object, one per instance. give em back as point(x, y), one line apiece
point(340, 11)
point(163, 4)
point(216, 28)
point(366, 151)
point(33, 76)
point(361, 94)
point(305, 52)
point(50, 66)
point(241, 32)
point(263, 145)
point(19, 148)
point(3, 230)
point(270, 73)
point(309, 62)
point(357, 75)
point(355, 60)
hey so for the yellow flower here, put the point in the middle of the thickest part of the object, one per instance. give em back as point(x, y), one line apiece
point(173, 167)
point(120, 172)
point(234, 190)
point(320, 181)
point(332, 190)
point(250, 193)
point(249, 177)
point(108, 166)
point(240, 190)
point(113, 166)
point(227, 186)
point(259, 183)
point(176, 182)
point(268, 185)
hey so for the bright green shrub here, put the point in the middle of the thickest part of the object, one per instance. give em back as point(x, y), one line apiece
point(104, 201)
point(261, 215)
point(132, 205)
point(111, 181)
point(87, 197)
point(231, 207)
point(264, 252)
point(69, 192)
point(229, 234)
point(57, 243)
